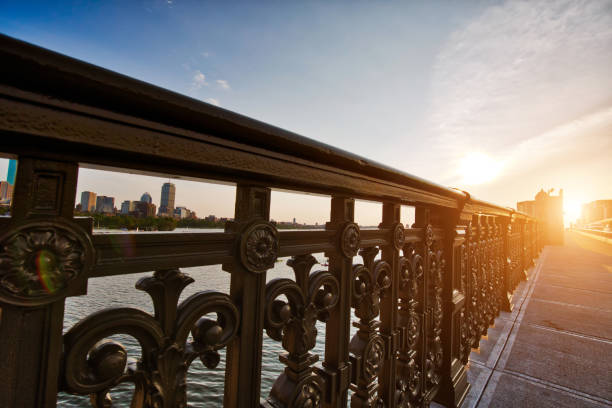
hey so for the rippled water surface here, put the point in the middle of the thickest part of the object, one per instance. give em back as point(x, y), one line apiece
point(204, 386)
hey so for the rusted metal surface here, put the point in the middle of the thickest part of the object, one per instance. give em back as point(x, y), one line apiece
point(420, 308)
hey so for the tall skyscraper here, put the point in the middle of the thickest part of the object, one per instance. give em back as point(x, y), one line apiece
point(128, 206)
point(12, 172)
point(146, 198)
point(88, 201)
point(105, 204)
point(166, 205)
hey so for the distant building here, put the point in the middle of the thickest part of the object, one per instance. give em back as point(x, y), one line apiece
point(143, 209)
point(527, 207)
point(146, 198)
point(547, 209)
point(181, 212)
point(12, 172)
point(6, 192)
point(128, 206)
point(105, 204)
point(595, 211)
point(166, 204)
point(88, 201)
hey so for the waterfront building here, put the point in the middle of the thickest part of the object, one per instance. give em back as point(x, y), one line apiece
point(181, 212)
point(166, 204)
point(143, 209)
point(548, 209)
point(596, 211)
point(12, 172)
point(105, 204)
point(6, 192)
point(128, 206)
point(88, 201)
point(146, 198)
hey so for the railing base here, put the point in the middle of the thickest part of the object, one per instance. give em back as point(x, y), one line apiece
point(506, 302)
point(453, 391)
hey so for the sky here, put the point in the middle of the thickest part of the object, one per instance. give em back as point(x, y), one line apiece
point(498, 98)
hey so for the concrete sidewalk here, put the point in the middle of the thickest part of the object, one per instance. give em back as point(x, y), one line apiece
point(555, 348)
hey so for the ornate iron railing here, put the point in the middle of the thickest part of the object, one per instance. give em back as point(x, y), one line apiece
point(421, 307)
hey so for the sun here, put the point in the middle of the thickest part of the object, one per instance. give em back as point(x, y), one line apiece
point(478, 168)
point(572, 209)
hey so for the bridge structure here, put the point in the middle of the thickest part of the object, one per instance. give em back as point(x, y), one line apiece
point(422, 295)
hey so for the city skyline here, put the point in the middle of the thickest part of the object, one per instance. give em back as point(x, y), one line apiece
point(499, 99)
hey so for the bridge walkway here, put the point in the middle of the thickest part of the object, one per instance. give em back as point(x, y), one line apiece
point(555, 348)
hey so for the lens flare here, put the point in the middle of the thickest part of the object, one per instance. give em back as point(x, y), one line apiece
point(46, 267)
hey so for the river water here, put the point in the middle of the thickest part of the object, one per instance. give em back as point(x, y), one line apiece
point(204, 386)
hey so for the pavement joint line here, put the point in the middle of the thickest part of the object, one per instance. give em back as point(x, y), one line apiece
point(509, 341)
point(557, 387)
point(556, 302)
point(499, 344)
point(505, 354)
point(571, 333)
point(489, 388)
point(496, 351)
point(478, 384)
point(582, 289)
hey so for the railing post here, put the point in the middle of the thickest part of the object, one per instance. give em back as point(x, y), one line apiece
point(453, 382)
point(247, 290)
point(523, 249)
point(507, 289)
point(336, 367)
point(33, 261)
point(389, 304)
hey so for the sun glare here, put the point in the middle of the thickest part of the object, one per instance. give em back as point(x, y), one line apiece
point(478, 168)
point(572, 209)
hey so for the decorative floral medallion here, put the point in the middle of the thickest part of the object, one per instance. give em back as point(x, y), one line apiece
point(398, 236)
point(40, 260)
point(429, 235)
point(259, 247)
point(349, 240)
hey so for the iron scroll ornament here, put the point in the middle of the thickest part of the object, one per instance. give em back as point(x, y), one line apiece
point(43, 261)
point(94, 364)
point(292, 322)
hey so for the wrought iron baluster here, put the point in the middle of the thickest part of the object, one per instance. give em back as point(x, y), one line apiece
point(309, 298)
point(371, 281)
point(410, 322)
point(436, 272)
point(94, 364)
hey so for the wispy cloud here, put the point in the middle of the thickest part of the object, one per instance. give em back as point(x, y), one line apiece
point(198, 80)
point(223, 83)
point(517, 71)
point(206, 54)
point(213, 101)
point(586, 138)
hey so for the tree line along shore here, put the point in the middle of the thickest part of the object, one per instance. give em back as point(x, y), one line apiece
point(128, 222)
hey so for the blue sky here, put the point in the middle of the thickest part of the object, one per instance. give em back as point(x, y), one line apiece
point(498, 98)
